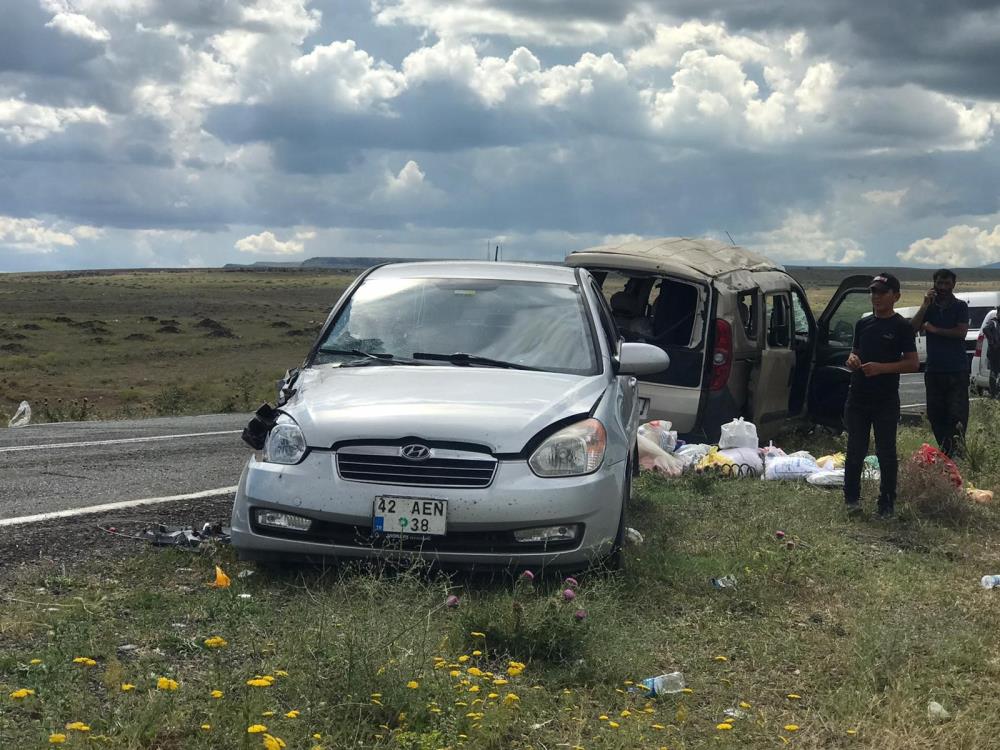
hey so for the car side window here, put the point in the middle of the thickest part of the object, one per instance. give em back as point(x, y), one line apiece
point(746, 306)
point(800, 319)
point(607, 320)
point(778, 321)
point(855, 304)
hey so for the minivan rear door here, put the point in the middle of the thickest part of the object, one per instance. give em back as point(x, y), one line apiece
point(834, 338)
point(770, 381)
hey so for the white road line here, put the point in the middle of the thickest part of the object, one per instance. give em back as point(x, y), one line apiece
point(114, 506)
point(120, 441)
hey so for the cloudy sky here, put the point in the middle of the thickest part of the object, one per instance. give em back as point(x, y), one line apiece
point(137, 133)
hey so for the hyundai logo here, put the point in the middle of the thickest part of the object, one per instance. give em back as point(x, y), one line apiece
point(415, 452)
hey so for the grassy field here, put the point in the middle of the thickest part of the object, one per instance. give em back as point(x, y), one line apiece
point(837, 635)
point(140, 343)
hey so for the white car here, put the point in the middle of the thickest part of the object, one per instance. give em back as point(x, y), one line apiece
point(980, 303)
point(464, 413)
point(980, 376)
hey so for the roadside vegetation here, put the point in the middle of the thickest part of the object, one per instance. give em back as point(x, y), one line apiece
point(837, 634)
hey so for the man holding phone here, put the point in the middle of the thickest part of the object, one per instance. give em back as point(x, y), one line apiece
point(883, 347)
point(945, 322)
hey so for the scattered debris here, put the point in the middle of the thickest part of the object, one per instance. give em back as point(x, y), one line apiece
point(989, 582)
point(664, 684)
point(221, 579)
point(177, 536)
point(245, 573)
point(724, 582)
point(22, 416)
point(632, 536)
point(937, 712)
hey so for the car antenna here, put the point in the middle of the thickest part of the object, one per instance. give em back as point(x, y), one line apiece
point(730, 237)
point(496, 255)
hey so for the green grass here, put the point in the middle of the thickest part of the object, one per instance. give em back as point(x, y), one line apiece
point(90, 345)
point(865, 622)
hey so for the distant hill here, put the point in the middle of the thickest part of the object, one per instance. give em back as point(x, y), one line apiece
point(992, 265)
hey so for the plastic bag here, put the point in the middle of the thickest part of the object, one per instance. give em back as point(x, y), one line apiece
point(771, 450)
point(692, 453)
point(833, 461)
point(660, 433)
point(739, 434)
point(827, 478)
point(22, 417)
point(983, 497)
point(653, 458)
point(748, 459)
point(713, 459)
point(796, 466)
point(928, 456)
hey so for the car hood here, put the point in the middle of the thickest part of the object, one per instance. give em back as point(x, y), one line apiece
point(501, 409)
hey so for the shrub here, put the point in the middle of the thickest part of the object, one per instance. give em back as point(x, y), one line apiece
point(931, 495)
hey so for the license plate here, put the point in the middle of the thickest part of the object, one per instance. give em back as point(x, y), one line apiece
point(643, 408)
point(409, 515)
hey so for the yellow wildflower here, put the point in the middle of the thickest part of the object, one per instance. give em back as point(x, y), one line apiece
point(477, 652)
point(78, 726)
point(256, 729)
point(474, 689)
point(216, 694)
point(625, 713)
point(57, 739)
point(463, 704)
point(721, 658)
point(317, 736)
point(413, 684)
point(793, 696)
point(260, 682)
point(514, 671)
point(791, 727)
point(744, 704)
point(267, 713)
point(475, 671)
point(493, 695)
point(165, 683)
point(602, 717)
point(21, 693)
point(216, 641)
point(510, 698)
point(35, 662)
point(280, 673)
point(207, 727)
point(454, 673)
point(614, 724)
point(293, 714)
point(658, 727)
point(273, 743)
point(127, 686)
point(499, 681)
point(687, 691)
point(477, 634)
point(852, 732)
point(724, 726)
point(85, 661)
point(463, 658)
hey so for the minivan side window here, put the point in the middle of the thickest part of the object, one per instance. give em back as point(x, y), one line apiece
point(800, 319)
point(850, 310)
point(746, 306)
point(779, 323)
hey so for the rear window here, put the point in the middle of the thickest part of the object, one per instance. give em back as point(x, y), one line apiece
point(977, 315)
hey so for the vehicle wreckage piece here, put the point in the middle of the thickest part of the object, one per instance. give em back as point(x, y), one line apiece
point(255, 433)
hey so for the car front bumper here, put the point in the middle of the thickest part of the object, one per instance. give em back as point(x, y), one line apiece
point(480, 522)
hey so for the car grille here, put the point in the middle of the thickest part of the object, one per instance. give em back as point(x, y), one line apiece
point(385, 465)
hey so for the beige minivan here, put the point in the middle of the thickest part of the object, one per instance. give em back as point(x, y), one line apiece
point(742, 339)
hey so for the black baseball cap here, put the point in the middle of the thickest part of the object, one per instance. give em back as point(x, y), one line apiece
point(884, 281)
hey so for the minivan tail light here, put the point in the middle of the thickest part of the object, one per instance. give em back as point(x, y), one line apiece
point(722, 355)
point(979, 346)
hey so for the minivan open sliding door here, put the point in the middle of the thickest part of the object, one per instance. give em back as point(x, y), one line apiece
point(834, 337)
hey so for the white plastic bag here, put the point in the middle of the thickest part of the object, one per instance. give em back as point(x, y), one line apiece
point(827, 478)
point(660, 433)
point(738, 434)
point(692, 453)
point(796, 466)
point(747, 459)
point(653, 458)
point(22, 417)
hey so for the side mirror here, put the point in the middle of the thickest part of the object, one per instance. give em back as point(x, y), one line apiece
point(642, 359)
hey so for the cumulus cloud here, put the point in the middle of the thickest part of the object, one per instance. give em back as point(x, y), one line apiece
point(24, 122)
point(893, 198)
point(32, 235)
point(807, 237)
point(961, 245)
point(77, 24)
point(266, 243)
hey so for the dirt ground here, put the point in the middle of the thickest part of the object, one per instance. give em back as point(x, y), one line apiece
point(63, 541)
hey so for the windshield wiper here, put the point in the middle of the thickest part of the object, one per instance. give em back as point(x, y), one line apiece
point(369, 357)
point(462, 358)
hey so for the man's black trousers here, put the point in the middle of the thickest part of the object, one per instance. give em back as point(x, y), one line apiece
point(861, 416)
point(947, 407)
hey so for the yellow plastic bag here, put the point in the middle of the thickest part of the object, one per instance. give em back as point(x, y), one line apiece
point(713, 460)
point(835, 461)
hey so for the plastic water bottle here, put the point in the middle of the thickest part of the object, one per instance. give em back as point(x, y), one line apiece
point(990, 582)
point(672, 682)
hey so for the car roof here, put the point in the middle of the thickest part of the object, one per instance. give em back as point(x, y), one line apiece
point(472, 269)
point(980, 299)
point(704, 256)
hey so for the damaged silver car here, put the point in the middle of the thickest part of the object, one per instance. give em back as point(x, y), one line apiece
point(470, 414)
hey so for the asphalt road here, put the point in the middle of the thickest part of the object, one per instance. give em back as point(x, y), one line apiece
point(911, 392)
point(54, 467)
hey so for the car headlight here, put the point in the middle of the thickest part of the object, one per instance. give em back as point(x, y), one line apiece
point(285, 444)
point(574, 450)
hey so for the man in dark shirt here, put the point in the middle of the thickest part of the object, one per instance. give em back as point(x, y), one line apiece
point(883, 348)
point(945, 321)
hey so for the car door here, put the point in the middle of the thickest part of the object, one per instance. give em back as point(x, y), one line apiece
point(834, 337)
point(771, 379)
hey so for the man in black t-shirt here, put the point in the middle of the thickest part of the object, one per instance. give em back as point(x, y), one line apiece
point(883, 347)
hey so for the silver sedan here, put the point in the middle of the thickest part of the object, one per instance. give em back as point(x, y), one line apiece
point(470, 414)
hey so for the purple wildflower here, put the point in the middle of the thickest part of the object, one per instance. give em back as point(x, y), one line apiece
point(572, 582)
point(451, 602)
point(580, 615)
point(569, 594)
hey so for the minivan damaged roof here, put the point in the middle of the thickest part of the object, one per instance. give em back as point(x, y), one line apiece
point(686, 255)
